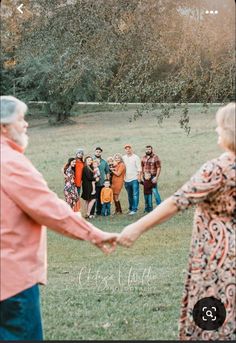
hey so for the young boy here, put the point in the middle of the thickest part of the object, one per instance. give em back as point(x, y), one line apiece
point(106, 198)
point(148, 185)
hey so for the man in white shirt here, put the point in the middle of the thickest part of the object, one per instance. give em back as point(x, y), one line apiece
point(132, 178)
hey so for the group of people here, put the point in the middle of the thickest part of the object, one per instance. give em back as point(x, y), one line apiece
point(27, 204)
point(99, 181)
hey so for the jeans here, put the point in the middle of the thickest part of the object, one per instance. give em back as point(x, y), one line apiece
point(20, 317)
point(148, 202)
point(97, 205)
point(156, 195)
point(106, 209)
point(132, 189)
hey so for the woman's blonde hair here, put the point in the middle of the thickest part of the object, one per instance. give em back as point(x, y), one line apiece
point(109, 158)
point(225, 118)
point(118, 155)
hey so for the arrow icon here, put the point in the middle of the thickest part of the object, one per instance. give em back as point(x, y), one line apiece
point(19, 8)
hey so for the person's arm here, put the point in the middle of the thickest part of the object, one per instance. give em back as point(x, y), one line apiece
point(102, 196)
point(107, 171)
point(158, 169)
point(158, 163)
point(120, 170)
point(160, 214)
point(142, 172)
point(111, 196)
point(155, 179)
point(202, 185)
point(139, 169)
point(29, 191)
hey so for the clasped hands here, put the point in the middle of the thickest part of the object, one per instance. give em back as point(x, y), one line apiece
point(126, 238)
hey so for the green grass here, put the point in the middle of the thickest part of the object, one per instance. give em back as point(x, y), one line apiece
point(134, 293)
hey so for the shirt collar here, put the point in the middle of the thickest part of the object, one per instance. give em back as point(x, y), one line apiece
point(12, 144)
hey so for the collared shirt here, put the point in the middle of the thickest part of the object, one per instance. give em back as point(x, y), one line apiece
point(133, 167)
point(150, 164)
point(26, 204)
point(104, 170)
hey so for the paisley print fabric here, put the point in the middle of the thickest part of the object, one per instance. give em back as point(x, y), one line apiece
point(212, 258)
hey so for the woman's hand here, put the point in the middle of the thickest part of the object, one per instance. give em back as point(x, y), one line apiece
point(129, 235)
point(108, 243)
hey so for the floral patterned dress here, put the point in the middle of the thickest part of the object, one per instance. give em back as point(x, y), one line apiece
point(212, 259)
point(70, 190)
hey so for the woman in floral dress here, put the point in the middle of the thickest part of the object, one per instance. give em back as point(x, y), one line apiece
point(70, 190)
point(212, 258)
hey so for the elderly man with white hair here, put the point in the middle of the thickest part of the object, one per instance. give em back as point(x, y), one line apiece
point(26, 205)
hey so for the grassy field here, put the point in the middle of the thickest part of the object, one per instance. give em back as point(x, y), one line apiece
point(134, 293)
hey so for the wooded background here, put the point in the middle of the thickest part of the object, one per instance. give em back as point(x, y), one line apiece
point(149, 51)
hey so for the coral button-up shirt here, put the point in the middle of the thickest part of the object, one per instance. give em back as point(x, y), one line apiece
point(26, 204)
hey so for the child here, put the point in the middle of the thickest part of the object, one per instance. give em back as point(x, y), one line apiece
point(106, 198)
point(96, 174)
point(110, 162)
point(148, 185)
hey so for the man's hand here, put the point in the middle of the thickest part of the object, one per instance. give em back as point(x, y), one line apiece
point(154, 180)
point(108, 244)
point(129, 235)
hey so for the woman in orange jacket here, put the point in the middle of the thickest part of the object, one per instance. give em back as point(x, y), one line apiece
point(117, 180)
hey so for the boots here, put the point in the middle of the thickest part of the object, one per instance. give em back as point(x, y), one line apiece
point(118, 207)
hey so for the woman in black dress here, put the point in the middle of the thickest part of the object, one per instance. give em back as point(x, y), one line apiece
point(87, 179)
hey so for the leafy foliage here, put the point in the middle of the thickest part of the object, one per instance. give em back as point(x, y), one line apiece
point(148, 51)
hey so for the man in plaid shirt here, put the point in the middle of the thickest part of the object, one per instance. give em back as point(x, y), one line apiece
point(151, 163)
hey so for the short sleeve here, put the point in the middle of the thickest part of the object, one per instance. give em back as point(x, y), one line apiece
point(207, 181)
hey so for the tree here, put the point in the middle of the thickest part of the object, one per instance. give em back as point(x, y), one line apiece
point(150, 51)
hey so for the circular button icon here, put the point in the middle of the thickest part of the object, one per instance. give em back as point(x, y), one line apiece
point(209, 313)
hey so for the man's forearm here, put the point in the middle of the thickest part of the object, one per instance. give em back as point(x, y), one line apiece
point(158, 172)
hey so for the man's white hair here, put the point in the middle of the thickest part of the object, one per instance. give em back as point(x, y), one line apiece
point(10, 108)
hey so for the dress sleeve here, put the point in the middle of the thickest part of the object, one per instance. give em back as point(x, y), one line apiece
point(207, 181)
point(29, 191)
point(120, 169)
